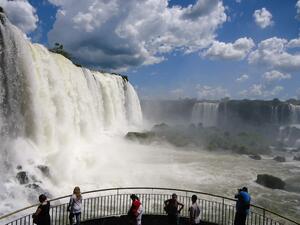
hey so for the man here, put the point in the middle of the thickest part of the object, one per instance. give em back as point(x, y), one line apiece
point(171, 207)
point(242, 206)
point(194, 211)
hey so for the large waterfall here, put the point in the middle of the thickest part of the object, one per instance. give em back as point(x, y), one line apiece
point(205, 113)
point(50, 111)
point(295, 113)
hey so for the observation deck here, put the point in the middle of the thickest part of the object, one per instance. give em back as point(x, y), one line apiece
point(110, 207)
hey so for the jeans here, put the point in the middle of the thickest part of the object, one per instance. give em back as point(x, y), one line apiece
point(75, 216)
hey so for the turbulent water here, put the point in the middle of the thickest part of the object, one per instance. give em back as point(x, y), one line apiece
point(73, 120)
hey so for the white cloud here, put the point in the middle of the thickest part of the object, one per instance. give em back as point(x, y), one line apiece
point(211, 93)
point(242, 78)
point(237, 50)
point(294, 43)
point(298, 9)
point(21, 13)
point(261, 91)
point(273, 53)
point(263, 18)
point(238, 1)
point(120, 34)
point(276, 75)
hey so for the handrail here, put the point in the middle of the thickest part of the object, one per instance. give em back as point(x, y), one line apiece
point(151, 188)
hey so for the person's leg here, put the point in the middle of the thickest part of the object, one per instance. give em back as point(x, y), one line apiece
point(243, 219)
point(78, 217)
point(71, 218)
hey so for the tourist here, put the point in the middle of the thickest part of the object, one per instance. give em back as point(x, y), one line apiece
point(171, 208)
point(242, 206)
point(42, 216)
point(74, 207)
point(194, 211)
point(136, 210)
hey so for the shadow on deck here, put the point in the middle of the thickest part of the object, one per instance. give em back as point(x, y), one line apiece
point(146, 220)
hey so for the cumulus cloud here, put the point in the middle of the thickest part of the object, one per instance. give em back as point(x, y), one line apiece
point(261, 91)
point(263, 18)
point(237, 50)
point(242, 78)
point(211, 93)
point(294, 43)
point(273, 52)
point(21, 13)
point(298, 9)
point(276, 75)
point(119, 34)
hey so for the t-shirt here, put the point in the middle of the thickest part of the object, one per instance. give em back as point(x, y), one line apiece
point(195, 213)
point(75, 204)
point(172, 207)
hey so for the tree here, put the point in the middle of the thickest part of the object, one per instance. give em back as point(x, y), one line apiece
point(59, 49)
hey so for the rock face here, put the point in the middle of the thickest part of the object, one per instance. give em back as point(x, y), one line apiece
point(270, 181)
point(142, 137)
point(279, 158)
point(22, 177)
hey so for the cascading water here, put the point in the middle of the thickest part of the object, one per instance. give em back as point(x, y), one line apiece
point(48, 108)
point(205, 113)
point(295, 113)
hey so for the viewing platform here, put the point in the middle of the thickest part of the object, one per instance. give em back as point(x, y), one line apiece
point(110, 207)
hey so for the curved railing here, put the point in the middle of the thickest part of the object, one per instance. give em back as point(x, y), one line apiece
point(116, 202)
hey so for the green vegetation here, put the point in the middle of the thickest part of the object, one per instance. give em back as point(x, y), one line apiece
point(59, 49)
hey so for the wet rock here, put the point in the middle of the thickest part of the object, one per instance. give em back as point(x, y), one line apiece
point(297, 158)
point(19, 167)
point(279, 158)
point(45, 170)
point(143, 137)
point(33, 186)
point(22, 177)
point(255, 157)
point(270, 181)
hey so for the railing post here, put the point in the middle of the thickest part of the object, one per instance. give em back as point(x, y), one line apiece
point(222, 214)
point(264, 216)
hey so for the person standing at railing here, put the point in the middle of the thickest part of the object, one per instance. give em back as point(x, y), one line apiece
point(173, 209)
point(242, 206)
point(42, 216)
point(74, 206)
point(194, 211)
point(136, 211)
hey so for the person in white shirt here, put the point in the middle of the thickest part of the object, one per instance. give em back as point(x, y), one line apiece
point(195, 212)
point(74, 206)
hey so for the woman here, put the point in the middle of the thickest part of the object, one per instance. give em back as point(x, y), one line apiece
point(136, 210)
point(75, 206)
point(42, 216)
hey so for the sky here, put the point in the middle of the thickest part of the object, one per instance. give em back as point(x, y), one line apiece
point(170, 49)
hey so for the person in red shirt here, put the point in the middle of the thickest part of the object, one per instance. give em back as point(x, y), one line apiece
point(135, 212)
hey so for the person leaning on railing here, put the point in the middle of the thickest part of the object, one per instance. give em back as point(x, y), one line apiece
point(42, 216)
point(171, 208)
point(242, 206)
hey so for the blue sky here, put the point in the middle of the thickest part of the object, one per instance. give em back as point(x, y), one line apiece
point(207, 49)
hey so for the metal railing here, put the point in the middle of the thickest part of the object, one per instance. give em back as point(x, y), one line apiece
point(116, 202)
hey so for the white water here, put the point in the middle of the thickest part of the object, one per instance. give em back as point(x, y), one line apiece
point(205, 113)
point(72, 120)
point(295, 113)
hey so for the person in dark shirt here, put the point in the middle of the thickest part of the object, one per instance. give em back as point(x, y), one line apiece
point(173, 208)
point(242, 206)
point(42, 216)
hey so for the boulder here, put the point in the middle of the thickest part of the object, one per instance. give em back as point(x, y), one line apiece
point(270, 181)
point(279, 158)
point(45, 170)
point(22, 177)
point(255, 157)
point(143, 137)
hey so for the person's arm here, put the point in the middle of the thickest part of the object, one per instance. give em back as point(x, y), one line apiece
point(166, 202)
point(180, 206)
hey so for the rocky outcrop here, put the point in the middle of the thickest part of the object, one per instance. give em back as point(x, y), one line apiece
point(22, 177)
point(45, 170)
point(255, 157)
point(270, 181)
point(279, 158)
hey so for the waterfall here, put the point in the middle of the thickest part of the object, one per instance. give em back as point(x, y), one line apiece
point(205, 113)
point(295, 113)
point(52, 113)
